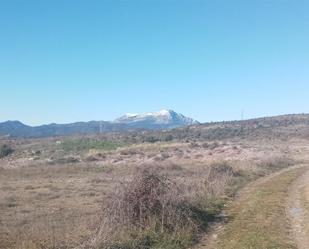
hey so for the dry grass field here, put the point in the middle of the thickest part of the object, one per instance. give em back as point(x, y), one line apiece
point(67, 193)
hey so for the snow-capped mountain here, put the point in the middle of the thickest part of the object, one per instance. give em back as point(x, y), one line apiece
point(164, 119)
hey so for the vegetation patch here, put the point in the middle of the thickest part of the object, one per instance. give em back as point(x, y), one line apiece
point(152, 211)
point(86, 144)
point(5, 150)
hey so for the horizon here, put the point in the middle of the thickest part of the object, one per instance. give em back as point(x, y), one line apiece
point(71, 61)
point(207, 122)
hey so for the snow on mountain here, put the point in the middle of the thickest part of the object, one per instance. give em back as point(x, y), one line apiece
point(152, 120)
point(164, 119)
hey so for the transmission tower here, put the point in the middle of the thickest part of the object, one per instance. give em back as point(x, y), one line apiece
point(101, 127)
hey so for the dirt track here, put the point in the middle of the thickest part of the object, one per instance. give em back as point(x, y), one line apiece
point(298, 209)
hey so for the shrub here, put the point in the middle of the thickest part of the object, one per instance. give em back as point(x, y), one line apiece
point(129, 152)
point(146, 208)
point(168, 138)
point(91, 158)
point(276, 162)
point(209, 191)
point(5, 150)
point(151, 139)
point(152, 211)
point(213, 146)
point(65, 160)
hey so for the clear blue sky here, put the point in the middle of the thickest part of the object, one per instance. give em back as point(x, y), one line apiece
point(72, 60)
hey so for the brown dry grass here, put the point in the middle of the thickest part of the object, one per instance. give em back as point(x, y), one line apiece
point(51, 205)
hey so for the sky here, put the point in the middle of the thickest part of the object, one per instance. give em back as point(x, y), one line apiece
point(79, 60)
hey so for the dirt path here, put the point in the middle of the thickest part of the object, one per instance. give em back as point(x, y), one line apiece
point(258, 218)
point(298, 209)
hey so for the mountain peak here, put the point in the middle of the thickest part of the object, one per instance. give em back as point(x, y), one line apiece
point(165, 118)
point(165, 112)
point(129, 115)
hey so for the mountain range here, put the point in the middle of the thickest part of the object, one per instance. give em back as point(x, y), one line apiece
point(161, 120)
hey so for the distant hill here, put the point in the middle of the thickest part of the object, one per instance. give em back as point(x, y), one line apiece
point(18, 129)
point(165, 119)
point(283, 127)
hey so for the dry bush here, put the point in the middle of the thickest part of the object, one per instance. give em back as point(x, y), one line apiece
point(175, 167)
point(212, 186)
point(129, 152)
point(178, 152)
point(210, 146)
point(194, 145)
point(165, 155)
point(158, 158)
point(65, 160)
point(91, 158)
point(149, 201)
point(276, 162)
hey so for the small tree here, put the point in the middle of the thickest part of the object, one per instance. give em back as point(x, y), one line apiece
point(169, 138)
point(151, 139)
point(5, 150)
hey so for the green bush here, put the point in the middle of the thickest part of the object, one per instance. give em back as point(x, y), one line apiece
point(5, 150)
point(151, 139)
point(169, 138)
